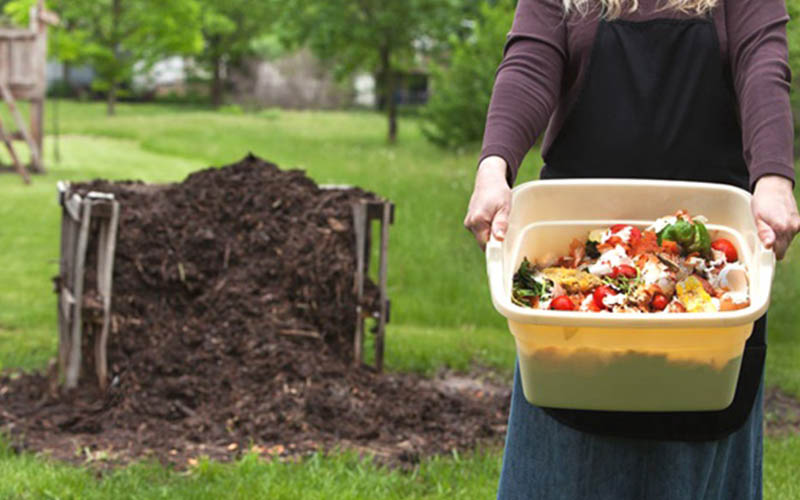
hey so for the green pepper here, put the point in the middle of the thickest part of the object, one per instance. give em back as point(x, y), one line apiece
point(691, 236)
point(702, 241)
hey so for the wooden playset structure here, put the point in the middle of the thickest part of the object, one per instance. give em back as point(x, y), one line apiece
point(23, 58)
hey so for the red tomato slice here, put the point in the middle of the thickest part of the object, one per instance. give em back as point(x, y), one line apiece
point(659, 302)
point(562, 303)
point(600, 293)
point(623, 270)
point(725, 246)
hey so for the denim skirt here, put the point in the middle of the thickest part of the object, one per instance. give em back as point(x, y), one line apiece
point(547, 460)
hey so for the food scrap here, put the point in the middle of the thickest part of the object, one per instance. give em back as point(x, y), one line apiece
point(671, 266)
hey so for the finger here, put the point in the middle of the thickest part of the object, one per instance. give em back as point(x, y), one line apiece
point(500, 223)
point(766, 233)
point(480, 229)
point(482, 237)
point(782, 243)
point(780, 247)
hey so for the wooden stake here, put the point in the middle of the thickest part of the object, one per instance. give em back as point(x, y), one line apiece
point(382, 283)
point(359, 224)
point(74, 360)
point(107, 243)
point(66, 300)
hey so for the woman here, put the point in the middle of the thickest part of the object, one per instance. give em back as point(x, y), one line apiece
point(663, 89)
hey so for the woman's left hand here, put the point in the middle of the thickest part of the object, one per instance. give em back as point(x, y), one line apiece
point(775, 212)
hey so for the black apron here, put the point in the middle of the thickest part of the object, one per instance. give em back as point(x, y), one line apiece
point(658, 103)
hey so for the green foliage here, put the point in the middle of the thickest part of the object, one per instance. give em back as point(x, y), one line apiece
point(462, 87)
point(230, 31)
point(115, 35)
point(268, 46)
point(379, 36)
point(352, 34)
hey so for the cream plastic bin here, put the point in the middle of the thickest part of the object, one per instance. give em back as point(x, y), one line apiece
point(626, 362)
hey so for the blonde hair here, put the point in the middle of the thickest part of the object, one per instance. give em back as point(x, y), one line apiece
point(612, 9)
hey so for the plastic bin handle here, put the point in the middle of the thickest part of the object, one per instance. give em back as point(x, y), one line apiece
point(494, 267)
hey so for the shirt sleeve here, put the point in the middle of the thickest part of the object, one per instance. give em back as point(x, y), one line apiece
point(759, 59)
point(528, 82)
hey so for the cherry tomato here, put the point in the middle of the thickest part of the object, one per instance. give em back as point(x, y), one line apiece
point(623, 270)
point(562, 303)
point(725, 246)
point(600, 293)
point(659, 302)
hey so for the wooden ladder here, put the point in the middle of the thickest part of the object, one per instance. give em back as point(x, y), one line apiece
point(36, 160)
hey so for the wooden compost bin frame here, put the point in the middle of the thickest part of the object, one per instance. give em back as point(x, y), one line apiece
point(363, 214)
point(76, 316)
point(77, 214)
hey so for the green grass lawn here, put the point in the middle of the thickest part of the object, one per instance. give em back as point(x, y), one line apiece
point(442, 316)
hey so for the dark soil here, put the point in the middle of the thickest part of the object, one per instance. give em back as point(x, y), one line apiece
point(781, 413)
point(233, 321)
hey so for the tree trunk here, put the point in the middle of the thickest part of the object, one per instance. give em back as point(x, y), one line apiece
point(116, 12)
point(388, 78)
point(111, 102)
point(216, 83)
point(68, 79)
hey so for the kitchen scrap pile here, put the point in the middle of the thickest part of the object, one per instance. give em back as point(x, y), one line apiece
point(671, 266)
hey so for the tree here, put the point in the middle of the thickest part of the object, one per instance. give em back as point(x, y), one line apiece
point(381, 36)
point(462, 87)
point(114, 35)
point(229, 31)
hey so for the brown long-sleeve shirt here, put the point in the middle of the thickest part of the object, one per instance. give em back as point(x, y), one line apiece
point(547, 57)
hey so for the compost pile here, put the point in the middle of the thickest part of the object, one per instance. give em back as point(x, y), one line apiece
point(233, 321)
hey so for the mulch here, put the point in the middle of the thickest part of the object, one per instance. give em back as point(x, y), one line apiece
point(233, 320)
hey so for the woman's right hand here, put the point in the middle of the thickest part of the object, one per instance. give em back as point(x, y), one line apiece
point(490, 203)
